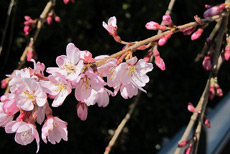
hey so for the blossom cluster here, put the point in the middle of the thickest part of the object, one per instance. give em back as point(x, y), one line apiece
point(27, 103)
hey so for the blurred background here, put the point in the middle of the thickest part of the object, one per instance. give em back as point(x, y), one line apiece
point(159, 114)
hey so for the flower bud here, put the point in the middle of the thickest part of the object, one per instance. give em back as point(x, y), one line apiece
point(207, 63)
point(158, 60)
point(197, 34)
point(162, 41)
point(183, 143)
point(167, 20)
point(227, 53)
point(215, 10)
point(82, 111)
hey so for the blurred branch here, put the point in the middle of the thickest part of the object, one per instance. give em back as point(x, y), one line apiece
point(218, 43)
point(12, 3)
point(204, 98)
point(40, 23)
point(134, 102)
point(11, 32)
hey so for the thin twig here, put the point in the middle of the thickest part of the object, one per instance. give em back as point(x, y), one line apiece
point(218, 43)
point(205, 48)
point(132, 105)
point(11, 32)
point(158, 36)
point(40, 23)
point(6, 24)
point(204, 98)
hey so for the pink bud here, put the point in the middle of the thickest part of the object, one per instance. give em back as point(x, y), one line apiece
point(188, 149)
point(143, 47)
point(207, 6)
point(158, 60)
point(154, 26)
point(49, 20)
point(183, 143)
point(57, 18)
point(27, 30)
point(189, 30)
point(191, 108)
point(4, 83)
point(207, 63)
point(27, 17)
point(66, 1)
point(197, 34)
point(212, 92)
point(4, 98)
point(167, 19)
point(215, 10)
point(207, 122)
point(10, 107)
point(227, 53)
point(148, 56)
point(82, 111)
point(162, 41)
point(29, 55)
point(219, 91)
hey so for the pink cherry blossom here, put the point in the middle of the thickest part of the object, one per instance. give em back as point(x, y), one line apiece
point(30, 93)
point(25, 133)
point(111, 27)
point(10, 107)
point(58, 87)
point(82, 111)
point(86, 90)
point(133, 76)
point(69, 65)
point(4, 118)
point(110, 70)
point(54, 129)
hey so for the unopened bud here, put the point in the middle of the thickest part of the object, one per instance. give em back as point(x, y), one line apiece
point(183, 143)
point(189, 30)
point(167, 20)
point(227, 53)
point(207, 122)
point(197, 34)
point(207, 63)
point(215, 10)
point(162, 41)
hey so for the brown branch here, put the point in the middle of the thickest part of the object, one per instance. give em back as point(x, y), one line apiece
point(218, 43)
point(204, 98)
point(133, 104)
point(158, 36)
point(40, 23)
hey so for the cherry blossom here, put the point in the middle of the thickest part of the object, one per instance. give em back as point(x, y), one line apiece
point(4, 118)
point(25, 133)
point(69, 65)
point(133, 76)
point(111, 26)
point(86, 90)
point(54, 130)
point(58, 87)
point(29, 93)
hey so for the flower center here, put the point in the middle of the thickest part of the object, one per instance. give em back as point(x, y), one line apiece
point(61, 86)
point(131, 70)
point(29, 95)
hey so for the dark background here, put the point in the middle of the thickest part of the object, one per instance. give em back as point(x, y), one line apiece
point(158, 115)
